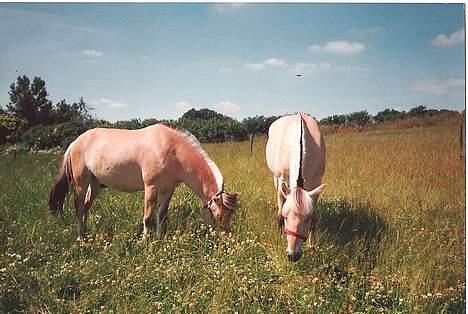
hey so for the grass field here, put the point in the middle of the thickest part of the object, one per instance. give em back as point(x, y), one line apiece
point(391, 238)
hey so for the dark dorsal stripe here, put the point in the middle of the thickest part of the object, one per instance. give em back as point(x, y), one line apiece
point(300, 179)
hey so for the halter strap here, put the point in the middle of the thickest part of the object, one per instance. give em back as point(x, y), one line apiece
point(290, 232)
point(294, 234)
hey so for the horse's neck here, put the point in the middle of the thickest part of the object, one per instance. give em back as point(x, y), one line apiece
point(199, 178)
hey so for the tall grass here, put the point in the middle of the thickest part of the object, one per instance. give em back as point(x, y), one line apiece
point(391, 238)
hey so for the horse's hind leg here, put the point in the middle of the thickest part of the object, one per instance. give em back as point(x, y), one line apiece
point(94, 188)
point(86, 191)
point(151, 199)
point(80, 195)
point(164, 199)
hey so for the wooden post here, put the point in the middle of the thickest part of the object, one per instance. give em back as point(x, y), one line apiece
point(251, 143)
point(462, 138)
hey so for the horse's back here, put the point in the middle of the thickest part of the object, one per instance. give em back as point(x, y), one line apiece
point(283, 149)
point(315, 156)
point(122, 159)
point(279, 146)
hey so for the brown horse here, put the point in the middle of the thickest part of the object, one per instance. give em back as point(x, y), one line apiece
point(155, 159)
point(295, 154)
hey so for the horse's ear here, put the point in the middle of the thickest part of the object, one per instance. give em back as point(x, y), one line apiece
point(315, 193)
point(284, 189)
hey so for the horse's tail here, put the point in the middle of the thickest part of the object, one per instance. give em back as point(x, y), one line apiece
point(61, 186)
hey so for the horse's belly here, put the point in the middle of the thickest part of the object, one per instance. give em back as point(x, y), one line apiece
point(126, 178)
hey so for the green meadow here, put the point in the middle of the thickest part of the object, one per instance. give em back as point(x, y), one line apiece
point(391, 237)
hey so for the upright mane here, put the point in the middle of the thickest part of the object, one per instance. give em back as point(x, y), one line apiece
point(192, 140)
point(300, 178)
point(303, 203)
point(296, 163)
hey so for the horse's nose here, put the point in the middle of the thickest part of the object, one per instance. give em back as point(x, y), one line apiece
point(293, 257)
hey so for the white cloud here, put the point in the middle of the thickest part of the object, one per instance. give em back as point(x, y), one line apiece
point(303, 67)
point(315, 48)
point(268, 63)
point(350, 68)
point(339, 47)
point(227, 107)
point(444, 40)
point(108, 103)
point(275, 62)
point(183, 106)
point(92, 53)
point(436, 87)
point(255, 66)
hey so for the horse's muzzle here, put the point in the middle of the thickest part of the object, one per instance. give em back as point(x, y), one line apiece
point(293, 257)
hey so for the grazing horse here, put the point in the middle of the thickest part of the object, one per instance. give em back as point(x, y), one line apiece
point(295, 154)
point(155, 159)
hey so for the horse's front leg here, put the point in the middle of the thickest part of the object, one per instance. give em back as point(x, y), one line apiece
point(313, 233)
point(314, 225)
point(162, 213)
point(281, 199)
point(151, 199)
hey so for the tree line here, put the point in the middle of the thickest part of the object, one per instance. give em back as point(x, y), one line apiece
point(31, 121)
point(362, 118)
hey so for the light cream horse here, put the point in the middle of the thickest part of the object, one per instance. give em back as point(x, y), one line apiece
point(155, 159)
point(295, 154)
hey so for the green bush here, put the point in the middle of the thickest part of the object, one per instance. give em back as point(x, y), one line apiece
point(389, 115)
point(258, 124)
point(51, 136)
point(214, 130)
point(9, 125)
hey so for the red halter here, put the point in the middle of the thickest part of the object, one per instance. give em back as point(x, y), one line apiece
point(292, 233)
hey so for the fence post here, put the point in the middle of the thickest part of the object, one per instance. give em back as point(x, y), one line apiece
point(251, 143)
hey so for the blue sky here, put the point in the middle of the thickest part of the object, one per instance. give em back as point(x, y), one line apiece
point(159, 60)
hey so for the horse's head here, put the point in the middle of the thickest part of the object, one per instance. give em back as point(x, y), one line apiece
point(222, 207)
point(298, 218)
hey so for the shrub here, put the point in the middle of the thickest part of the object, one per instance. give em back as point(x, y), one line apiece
point(9, 125)
point(214, 130)
point(51, 136)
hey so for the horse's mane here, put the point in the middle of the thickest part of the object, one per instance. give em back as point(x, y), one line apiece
point(192, 140)
point(304, 204)
point(230, 201)
point(302, 201)
point(296, 163)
